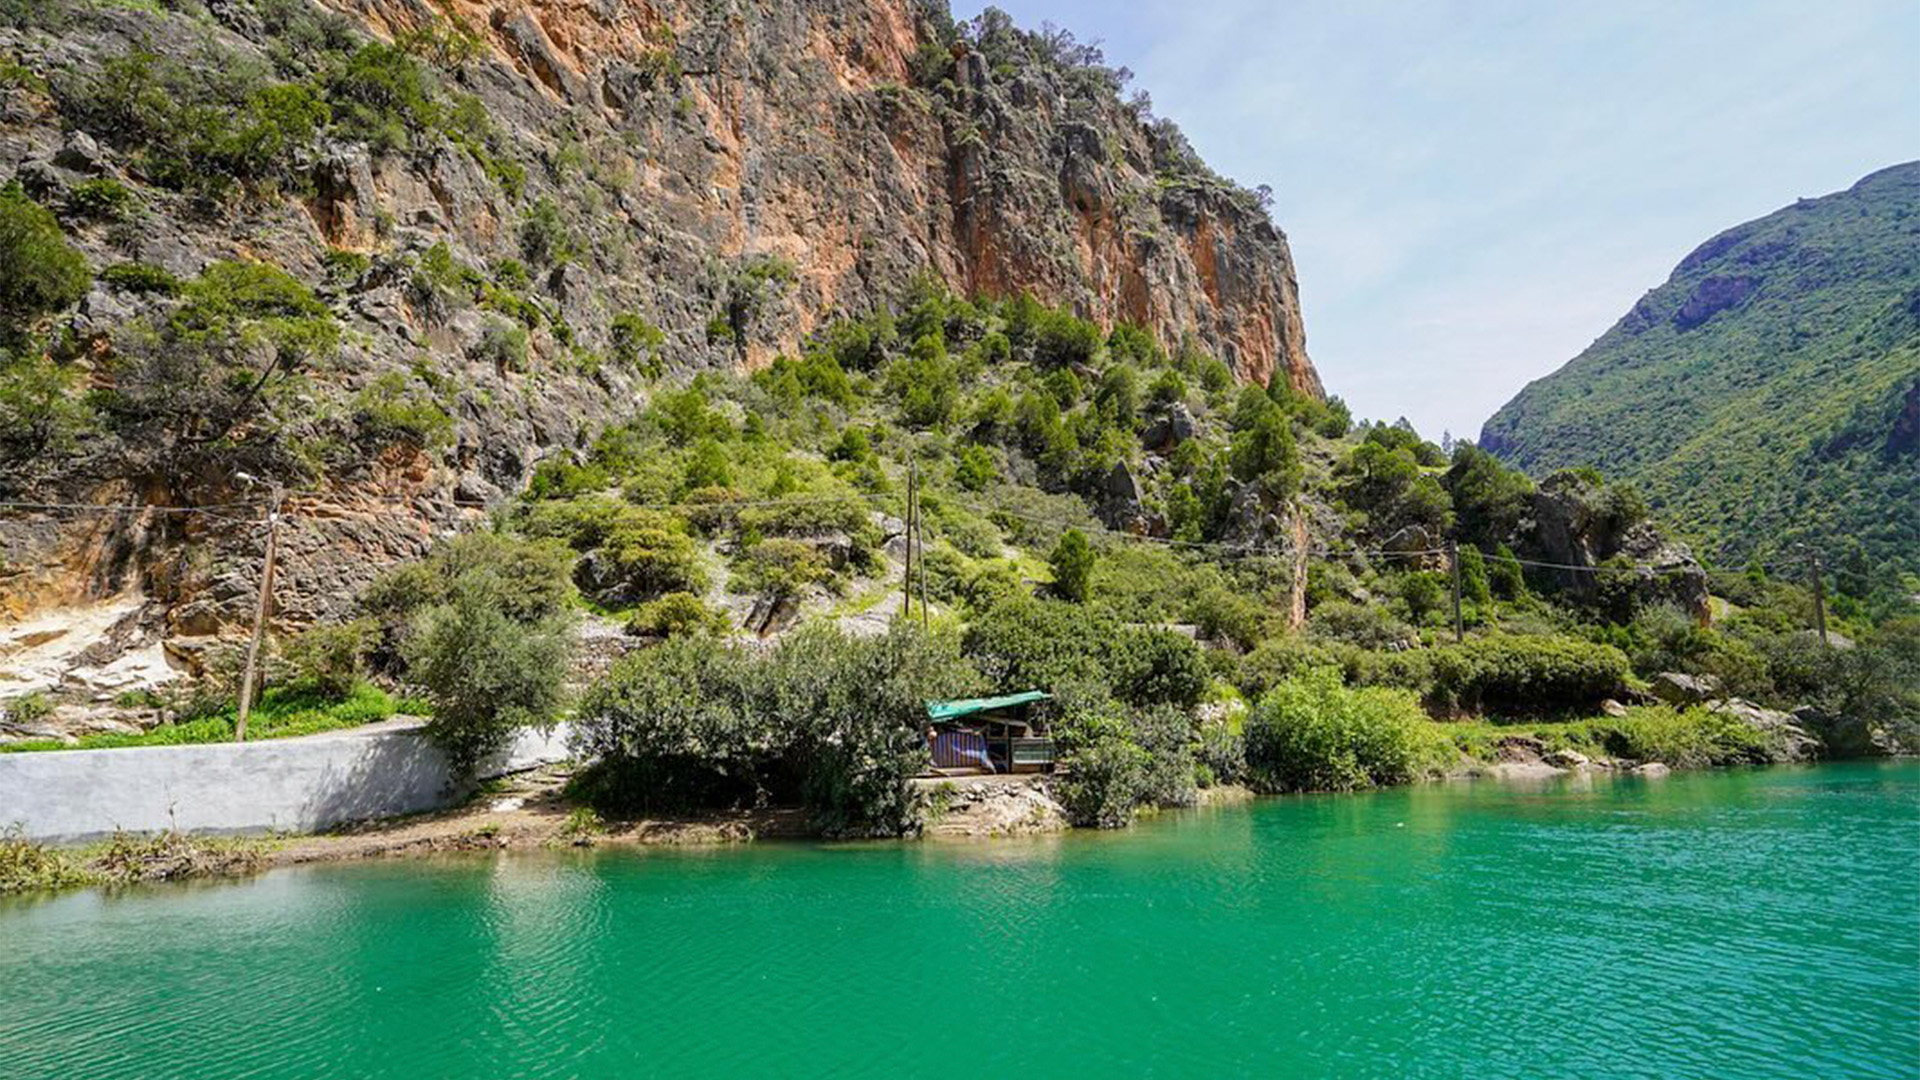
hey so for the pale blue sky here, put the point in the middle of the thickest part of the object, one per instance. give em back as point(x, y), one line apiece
point(1476, 190)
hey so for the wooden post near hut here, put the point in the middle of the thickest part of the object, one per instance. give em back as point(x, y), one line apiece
point(906, 582)
point(1453, 567)
point(1819, 596)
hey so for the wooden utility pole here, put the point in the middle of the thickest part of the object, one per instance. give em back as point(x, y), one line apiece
point(1453, 566)
point(920, 533)
point(259, 614)
point(906, 583)
point(1297, 594)
point(1819, 595)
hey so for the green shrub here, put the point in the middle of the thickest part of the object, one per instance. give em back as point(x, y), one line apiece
point(780, 568)
point(975, 469)
point(386, 411)
point(636, 342)
point(544, 238)
point(1311, 733)
point(1229, 615)
point(382, 96)
point(1151, 666)
point(1169, 387)
point(975, 537)
point(27, 708)
point(1103, 774)
point(41, 411)
point(860, 704)
point(487, 674)
point(533, 579)
point(1047, 645)
point(585, 522)
point(1367, 625)
point(1505, 576)
point(1402, 669)
point(1168, 735)
point(1511, 673)
point(677, 614)
point(347, 266)
point(331, 657)
point(102, 199)
point(504, 345)
point(1221, 755)
point(138, 277)
point(1263, 450)
point(39, 272)
point(1424, 592)
point(644, 559)
point(1060, 339)
point(1279, 659)
point(678, 726)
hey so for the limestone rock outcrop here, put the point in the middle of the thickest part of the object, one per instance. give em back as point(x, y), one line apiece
point(734, 175)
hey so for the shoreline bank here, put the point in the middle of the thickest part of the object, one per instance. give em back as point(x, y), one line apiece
point(528, 812)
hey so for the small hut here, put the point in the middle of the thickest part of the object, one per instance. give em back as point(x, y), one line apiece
point(988, 735)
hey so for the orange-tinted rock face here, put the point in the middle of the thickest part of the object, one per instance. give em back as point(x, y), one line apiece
point(687, 155)
point(810, 131)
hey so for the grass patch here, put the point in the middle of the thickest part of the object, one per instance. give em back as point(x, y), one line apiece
point(282, 713)
point(29, 867)
point(1692, 738)
point(125, 859)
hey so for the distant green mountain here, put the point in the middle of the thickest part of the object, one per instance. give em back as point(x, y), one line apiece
point(1768, 394)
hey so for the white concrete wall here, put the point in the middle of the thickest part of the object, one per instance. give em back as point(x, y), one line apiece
point(296, 785)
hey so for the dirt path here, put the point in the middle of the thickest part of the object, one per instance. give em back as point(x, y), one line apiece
point(527, 811)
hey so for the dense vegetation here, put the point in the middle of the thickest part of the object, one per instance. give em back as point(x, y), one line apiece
point(739, 506)
point(1768, 394)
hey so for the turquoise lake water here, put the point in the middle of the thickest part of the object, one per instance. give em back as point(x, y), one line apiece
point(1760, 923)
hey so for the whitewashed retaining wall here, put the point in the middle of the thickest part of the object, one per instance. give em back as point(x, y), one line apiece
point(296, 785)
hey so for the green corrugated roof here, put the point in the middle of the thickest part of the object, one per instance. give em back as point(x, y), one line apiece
point(950, 710)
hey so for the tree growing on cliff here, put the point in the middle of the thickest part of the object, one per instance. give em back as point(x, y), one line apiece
point(1072, 562)
point(39, 271)
point(1263, 448)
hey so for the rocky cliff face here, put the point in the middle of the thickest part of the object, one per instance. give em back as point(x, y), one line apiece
point(510, 216)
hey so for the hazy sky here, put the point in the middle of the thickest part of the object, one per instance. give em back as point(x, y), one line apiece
point(1474, 191)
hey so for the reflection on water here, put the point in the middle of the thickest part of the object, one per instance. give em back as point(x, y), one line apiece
point(1756, 923)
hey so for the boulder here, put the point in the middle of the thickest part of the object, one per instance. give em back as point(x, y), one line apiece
point(1567, 759)
point(1169, 429)
point(1612, 708)
point(1651, 769)
point(1422, 545)
point(1675, 688)
point(81, 154)
point(1847, 736)
point(1522, 749)
point(1794, 743)
point(1120, 504)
